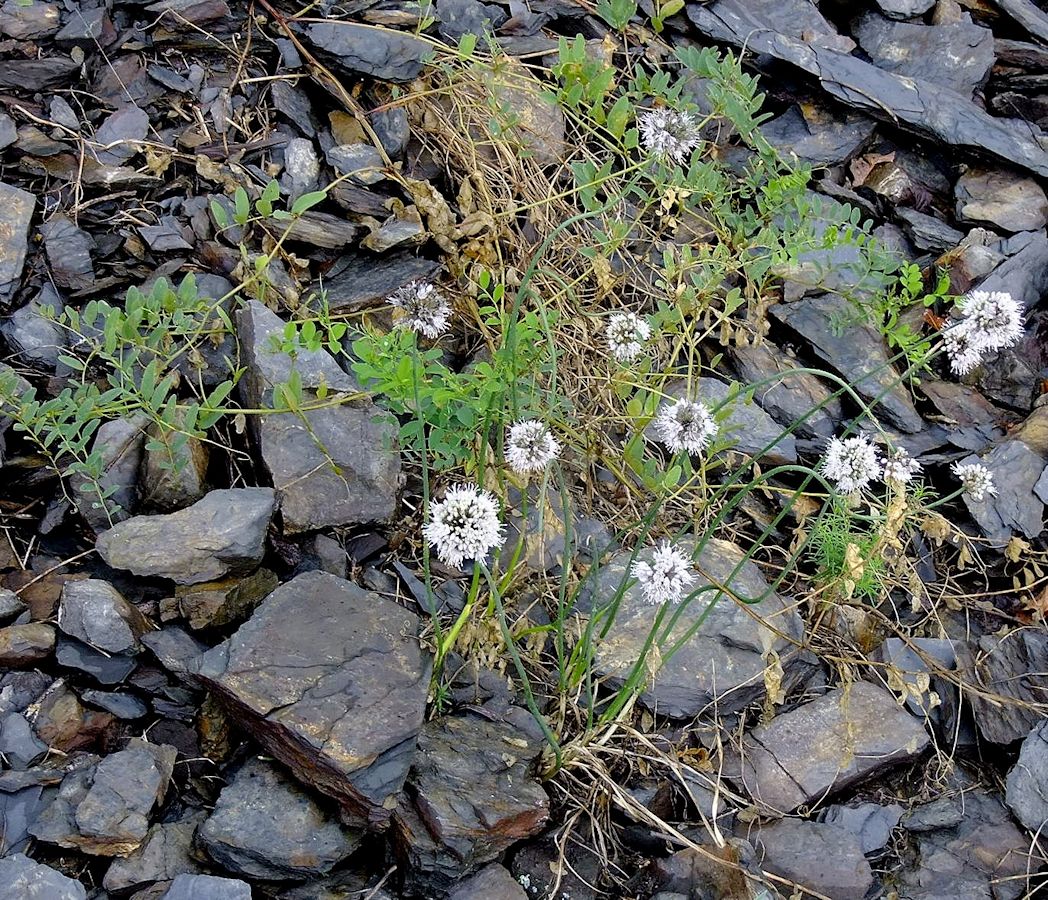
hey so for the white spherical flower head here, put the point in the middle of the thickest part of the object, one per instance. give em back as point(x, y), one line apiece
point(530, 447)
point(851, 463)
point(669, 134)
point(976, 480)
point(464, 525)
point(421, 307)
point(995, 317)
point(667, 577)
point(626, 333)
point(685, 425)
point(900, 467)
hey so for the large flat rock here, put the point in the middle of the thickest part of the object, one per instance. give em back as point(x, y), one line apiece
point(723, 663)
point(472, 797)
point(222, 534)
point(330, 679)
point(23, 879)
point(18, 209)
point(265, 826)
point(856, 350)
point(823, 746)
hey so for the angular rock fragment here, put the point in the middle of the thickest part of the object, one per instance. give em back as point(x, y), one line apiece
point(120, 442)
point(817, 136)
point(823, 857)
point(27, 20)
point(25, 645)
point(34, 335)
point(18, 209)
point(207, 887)
point(332, 465)
point(104, 810)
point(21, 878)
point(1002, 199)
point(924, 106)
point(105, 668)
point(10, 605)
point(61, 721)
point(120, 136)
point(165, 854)
point(490, 883)
point(1027, 786)
point(856, 350)
point(330, 679)
point(172, 476)
point(379, 53)
point(359, 282)
point(69, 252)
point(1015, 508)
point(214, 604)
point(723, 662)
point(747, 428)
point(19, 747)
point(825, 745)
point(95, 612)
point(967, 846)
point(471, 798)
point(264, 826)
point(958, 57)
point(871, 823)
point(905, 9)
point(222, 534)
point(123, 706)
point(796, 395)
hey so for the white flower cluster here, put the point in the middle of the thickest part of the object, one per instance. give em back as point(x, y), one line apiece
point(900, 467)
point(421, 307)
point(626, 333)
point(669, 134)
point(851, 463)
point(530, 447)
point(464, 525)
point(976, 480)
point(666, 578)
point(685, 425)
point(989, 320)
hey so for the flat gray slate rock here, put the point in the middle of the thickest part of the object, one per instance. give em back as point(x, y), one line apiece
point(927, 108)
point(18, 206)
point(1015, 508)
point(95, 612)
point(1027, 786)
point(825, 745)
point(264, 826)
point(23, 879)
point(222, 534)
point(380, 53)
point(856, 350)
point(724, 661)
point(207, 887)
point(330, 679)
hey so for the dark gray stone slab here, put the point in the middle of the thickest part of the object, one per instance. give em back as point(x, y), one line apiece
point(927, 108)
point(460, 17)
point(817, 135)
point(472, 797)
point(871, 823)
point(1024, 275)
point(104, 810)
point(34, 336)
point(330, 679)
point(818, 855)
point(18, 209)
point(825, 745)
point(723, 663)
point(491, 883)
point(364, 281)
point(382, 54)
point(905, 9)
point(26, 645)
point(264, 826)
point(69, 253)
point(207, 887)
point(120, 135)
point(23, 879)
point(120, 442)
point(19, 746)
point(95, 612)
point(1015, 508)
point(105, 668)
point(24, 21)
point(1005, 200)
point(123, 706)
point(856, 350)
point(222, 534)
point(166, 853)
point(1027, 786)
point(747, 428)
point(794, 396)
point(958, 57)
point(18, 810)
